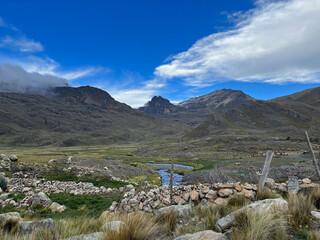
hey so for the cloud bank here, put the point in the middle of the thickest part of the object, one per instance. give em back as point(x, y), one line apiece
point(16, 79)
point(277, 42)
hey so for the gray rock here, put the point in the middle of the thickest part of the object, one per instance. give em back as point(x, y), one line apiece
point(277, 204)
point(270, 183)
point(205, 235)
point(316, 215)
point(4, 196)
point(180, 210)
point(293, 184)
point(11, 216)
point(113, 226)
point(41, 199)
point(92, 236)
point(28, 227)
point(13, 158)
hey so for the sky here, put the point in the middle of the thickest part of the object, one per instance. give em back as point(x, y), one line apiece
point(177, 49)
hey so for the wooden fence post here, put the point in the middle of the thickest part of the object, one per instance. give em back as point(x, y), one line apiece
point(315, 162)
point(265, 170)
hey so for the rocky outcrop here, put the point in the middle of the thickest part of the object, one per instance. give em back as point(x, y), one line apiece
point(113, 226)
point(179, 210)
point(280, 205)
point(159, 106)
point(91, 236)
point(28, 227)
point(9, 217)
point(40, 199)
point(205, 235)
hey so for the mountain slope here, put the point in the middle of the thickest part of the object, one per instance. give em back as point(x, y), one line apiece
point(286, 116)
point(72, 116)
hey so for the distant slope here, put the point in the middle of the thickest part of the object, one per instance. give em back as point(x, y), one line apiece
point(286, 116)
point(73, 116)
point(220, 100)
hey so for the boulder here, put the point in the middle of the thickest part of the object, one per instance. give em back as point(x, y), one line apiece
point(293, 184)
point(10, 216)
point(306, 181)
point(280, 205)
point(56, 207)
point(180, 210)
point(13, 158)
point(270, 183)
point(238, 187)
point(205, 235)
point(91, 236)
point(316, 215)
point(211, 195)
point(194, 195)
point(113, 226)
point(28, 227)
point(249, 194)
point(225, 192)
point(41, 199)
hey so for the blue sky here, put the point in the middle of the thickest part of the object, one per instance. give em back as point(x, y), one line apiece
point(177, 49)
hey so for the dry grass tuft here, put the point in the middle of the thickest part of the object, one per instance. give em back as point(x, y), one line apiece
point(315, 196)
point(266, 194)
point(263, 226)
point(138, 226)
point(169, 221)
point(300, 207)
point(238, 201)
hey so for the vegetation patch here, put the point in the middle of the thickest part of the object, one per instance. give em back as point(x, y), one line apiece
point(98, 181)
point(78, 205)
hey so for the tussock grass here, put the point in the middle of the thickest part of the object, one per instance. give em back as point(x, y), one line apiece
point(138, 226)
point(238, 201)
point(300, 207)
point(168, 220)
point(266, 194)
point(263, 226)
point(315, 196)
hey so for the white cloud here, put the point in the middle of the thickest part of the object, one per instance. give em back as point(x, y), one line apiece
point(22, 44)
point(16, 79)
point(277, 42)
point(133, 97)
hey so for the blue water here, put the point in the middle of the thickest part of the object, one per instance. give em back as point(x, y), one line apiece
point(165, 173)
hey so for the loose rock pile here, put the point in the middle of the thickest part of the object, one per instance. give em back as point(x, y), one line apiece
point(158, 197)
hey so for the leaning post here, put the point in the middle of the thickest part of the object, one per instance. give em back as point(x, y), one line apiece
point(265, 170)
point(312, 155)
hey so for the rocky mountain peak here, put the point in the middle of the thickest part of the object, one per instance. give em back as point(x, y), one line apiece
point(159, 106)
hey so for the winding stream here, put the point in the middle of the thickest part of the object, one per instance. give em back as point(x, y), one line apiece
point(164, 171)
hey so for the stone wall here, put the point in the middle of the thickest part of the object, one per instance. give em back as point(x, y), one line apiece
point(157, 197)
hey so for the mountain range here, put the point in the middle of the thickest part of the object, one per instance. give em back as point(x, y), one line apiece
point(67, 116)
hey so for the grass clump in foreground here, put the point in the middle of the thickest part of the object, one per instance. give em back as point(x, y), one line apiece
point(64, 229)
point(300, 207)
point(266, 194)
point(138, 226)
point(255, 225)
